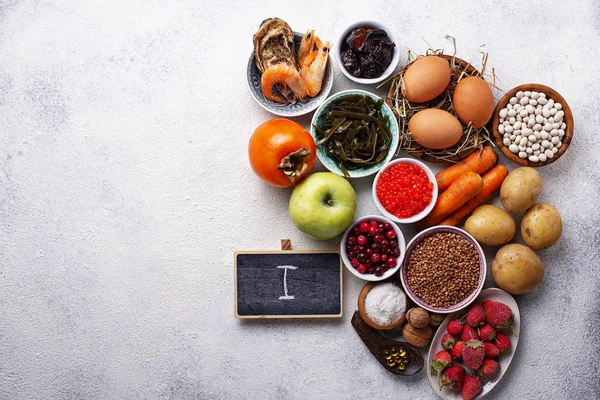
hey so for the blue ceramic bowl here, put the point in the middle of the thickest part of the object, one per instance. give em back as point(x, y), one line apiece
point(288, 110)
point(319, 118)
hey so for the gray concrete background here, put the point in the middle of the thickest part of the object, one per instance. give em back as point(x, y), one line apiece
point(125, 189)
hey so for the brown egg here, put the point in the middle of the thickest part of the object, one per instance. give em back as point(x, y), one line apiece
point(426, 79)
point(435, 129)
point(473, 101)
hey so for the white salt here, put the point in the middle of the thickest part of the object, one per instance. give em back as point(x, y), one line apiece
point(385, 303)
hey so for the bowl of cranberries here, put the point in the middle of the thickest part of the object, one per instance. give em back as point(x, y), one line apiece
point(373, 248)
point(405, 190)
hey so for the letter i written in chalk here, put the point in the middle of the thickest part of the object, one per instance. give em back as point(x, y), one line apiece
point(285, 269)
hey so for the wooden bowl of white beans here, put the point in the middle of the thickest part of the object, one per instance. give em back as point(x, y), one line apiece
point(532, 125)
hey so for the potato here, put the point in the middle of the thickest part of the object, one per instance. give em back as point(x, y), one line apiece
point(520, 189)
point(491, 225)
point(517, 269)
point(541, 226)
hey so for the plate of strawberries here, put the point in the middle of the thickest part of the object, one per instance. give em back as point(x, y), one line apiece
point(472, 349)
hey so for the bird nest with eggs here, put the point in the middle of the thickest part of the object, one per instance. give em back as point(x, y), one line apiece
point(471, 138)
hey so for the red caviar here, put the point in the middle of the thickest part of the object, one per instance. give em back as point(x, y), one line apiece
point(404, 190)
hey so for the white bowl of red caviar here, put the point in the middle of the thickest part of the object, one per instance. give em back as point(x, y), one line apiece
point(405, 190)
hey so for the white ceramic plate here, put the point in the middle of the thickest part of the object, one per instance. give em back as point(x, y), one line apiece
point(504, 359)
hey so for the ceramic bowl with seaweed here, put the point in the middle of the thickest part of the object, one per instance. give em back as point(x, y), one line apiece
point(350, 142)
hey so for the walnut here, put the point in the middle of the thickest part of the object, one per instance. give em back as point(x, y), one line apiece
point(418, 317)
point(418, 337)
point(435, 319)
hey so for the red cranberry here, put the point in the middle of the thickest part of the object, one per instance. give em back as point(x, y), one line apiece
point(378, 271)
point(375, 257)
point(385, 268)
point(351, 240)
point(364, 226)
point(372, 231)
point(355, 249)
point(379, 230)
point(386, 226)
point(370, 270)
point(377, 238)
point(390, 234)
point(355, 232)
point(396, 252)
point(361, 239)
point(384, 243)
point(373, 224)
point(362, 268)
point(369, 252)
point(354, 262)
point(361, 248)
point(362, 257)
point(384, 257)
point(393, 244)
point(391, 262)
point(369, 263)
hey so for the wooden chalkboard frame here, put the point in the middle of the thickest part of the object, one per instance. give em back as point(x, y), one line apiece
point(235, 288)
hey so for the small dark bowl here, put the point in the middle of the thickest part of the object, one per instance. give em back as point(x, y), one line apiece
point(288, 110)
point(418, 240)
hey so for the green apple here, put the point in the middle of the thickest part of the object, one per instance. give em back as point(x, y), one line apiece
point(323, 205)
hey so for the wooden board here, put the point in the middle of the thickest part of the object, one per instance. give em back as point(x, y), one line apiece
point(287, 284)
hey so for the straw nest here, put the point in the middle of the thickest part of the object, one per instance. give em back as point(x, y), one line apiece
point(471, 139)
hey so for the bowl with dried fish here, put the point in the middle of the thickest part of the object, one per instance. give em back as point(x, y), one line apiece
point(289, 74)
point(356, 133)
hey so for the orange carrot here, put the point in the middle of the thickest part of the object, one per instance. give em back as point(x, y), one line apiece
point(479, 161)
point(467, 186)
point(492, 180)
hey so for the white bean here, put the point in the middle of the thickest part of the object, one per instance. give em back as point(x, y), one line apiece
point(513, 148)
point(513, 100)
point(555, 140)
point(532, 138)
point(509, 107)
point(534, 158)
point(549, 153)
point(531, 122)
point(563, 126)
point(548, 127)
point(533, 102)
point(538, 111)
point(558, 146)
point(523, 141)
point(507, 135)
point(517, 131)
point(517, 125)
point(503, 113)
point(546, 112)
point(522, 154)
point(519, 94)
point(537, 127)
point(537, 135)
point(542, 94)
point(519, 109)
point(506, 142)
point(535, 95)
point(550, 103)
point(528, 150)
point(558, 106)
point(559, 115)
point(522, 148)
point(542, 157)
point(527, 93)
point(529, 143)
point(518, 139)
point(555, 125)
point(501, 129)
point(535, 146)
point(512, 120)
point(551, 120)
point(545, 144)
point(561, 133)
point(553, 111)
point(511, 113)
point(539, 119)
point(508, 128)
point(555, 150)
point(554, 132)
point(519, 118)
point(505, 123)
point(530, 109)
point(542, 100)
point(523, 113)
point(524, 100)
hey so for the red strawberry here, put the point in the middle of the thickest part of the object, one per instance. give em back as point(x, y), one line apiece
point(499, 315)
point(448, 341)
point(453, 377)
point(455, 327)
point(502, 342)
point(487, 332)
point(476, 315)
point(473, 353)
point(457, 349)
point(471, 387)
point(491, 351)
point(441, 360)
point(489, 368)
point(468, 333)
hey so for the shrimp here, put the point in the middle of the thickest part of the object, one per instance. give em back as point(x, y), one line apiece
point(307, 45)
point(313, 73)
point(282, 74)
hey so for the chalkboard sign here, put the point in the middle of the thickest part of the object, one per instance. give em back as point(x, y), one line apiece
point(288, 284)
